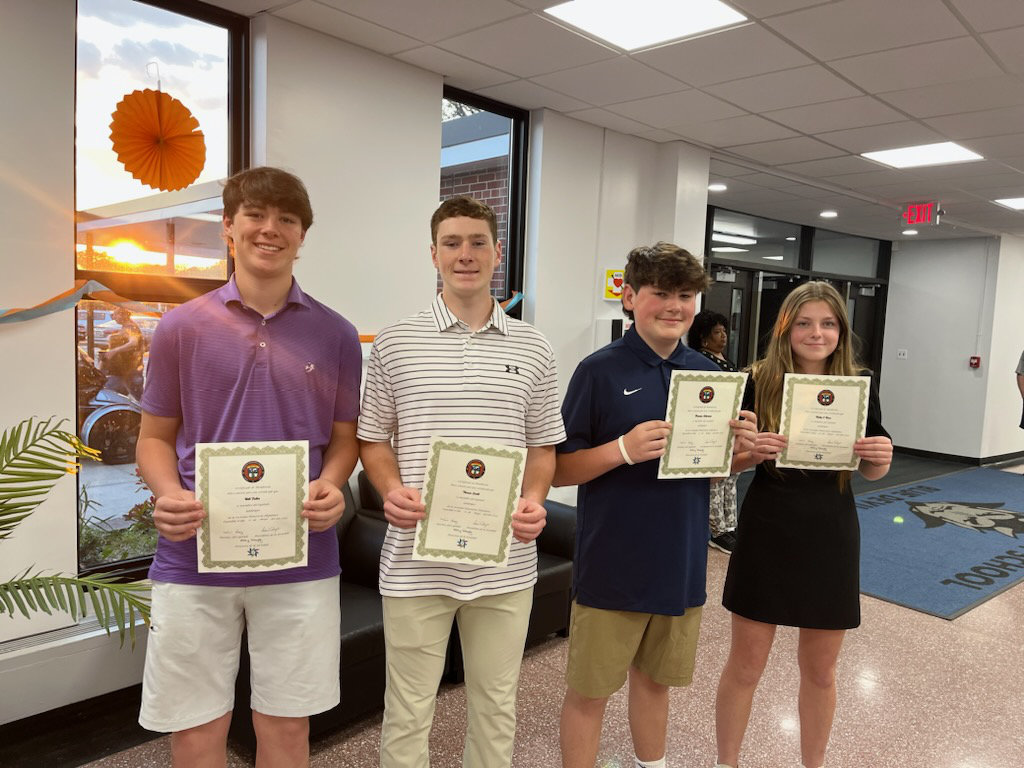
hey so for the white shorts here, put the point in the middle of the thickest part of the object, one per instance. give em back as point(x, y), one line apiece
point(194, 645)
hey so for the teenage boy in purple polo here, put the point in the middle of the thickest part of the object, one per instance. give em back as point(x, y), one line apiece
point(256, 359)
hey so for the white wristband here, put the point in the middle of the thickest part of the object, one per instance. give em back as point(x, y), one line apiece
point(622, 450)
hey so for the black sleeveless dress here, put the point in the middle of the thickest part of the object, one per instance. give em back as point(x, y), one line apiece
point(797, 555)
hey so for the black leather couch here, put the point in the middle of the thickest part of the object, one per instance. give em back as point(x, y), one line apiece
point(361, 533)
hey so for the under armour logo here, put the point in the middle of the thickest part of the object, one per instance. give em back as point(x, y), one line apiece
point(511, 368)
point(310, 367)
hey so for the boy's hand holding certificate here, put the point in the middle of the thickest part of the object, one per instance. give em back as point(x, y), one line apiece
point(700, 405)
point(822, 416)
point(253, 495)
point(471, 490)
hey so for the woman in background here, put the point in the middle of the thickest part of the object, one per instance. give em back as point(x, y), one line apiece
point(708, 335)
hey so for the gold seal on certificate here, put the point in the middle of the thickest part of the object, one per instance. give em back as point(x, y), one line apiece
point(823, 416)
point(700, 404)
point(253, 495)
point(471, 491)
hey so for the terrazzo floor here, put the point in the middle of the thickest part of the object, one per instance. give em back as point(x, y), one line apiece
point(915, 691)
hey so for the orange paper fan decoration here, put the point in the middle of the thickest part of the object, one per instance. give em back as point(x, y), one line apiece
point(157, 140)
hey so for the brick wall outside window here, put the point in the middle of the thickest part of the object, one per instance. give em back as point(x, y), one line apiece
point(489, 185)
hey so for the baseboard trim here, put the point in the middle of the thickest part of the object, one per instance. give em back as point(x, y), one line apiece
point(972, 461)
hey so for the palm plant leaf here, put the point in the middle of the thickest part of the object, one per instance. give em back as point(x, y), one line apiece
point(34, 455)
point(111, 602)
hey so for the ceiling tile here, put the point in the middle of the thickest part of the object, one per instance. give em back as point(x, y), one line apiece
point(952, 98)
point(444, 18)
point(768, 180)
point(868, 179)
point(245, 7)
point(996, 147)
point(659, 135)
point(854, 27)
point(836, 115)
point(790, 88)
point(786, 151)
point(610, 81)
point(346, 27)
point(608, 119)
point(727, 169)
point(832, 166)
point(763, 8)
point(745, 129)
point(957, 171)
point(527, 95)
point(673, 109)
point(947, 61)
point(526, 46)
point(1008, 45)
point(1008, 179)
point(972, 125)
point(986, 15)
point(875, 137)
point(752, 50)
point(458, 71)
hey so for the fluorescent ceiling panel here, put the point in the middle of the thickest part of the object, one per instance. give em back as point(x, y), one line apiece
point(728, 249)
point(644, 23)
point(1016, 203)
point(721, 237)
point(943, 153)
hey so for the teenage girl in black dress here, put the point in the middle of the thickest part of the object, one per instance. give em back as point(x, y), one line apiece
point(797, 555)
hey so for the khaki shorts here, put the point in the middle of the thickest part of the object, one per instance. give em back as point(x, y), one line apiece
point(194, 642)
point(604, 644)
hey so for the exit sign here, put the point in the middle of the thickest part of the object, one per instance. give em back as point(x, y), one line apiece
point(920, 214)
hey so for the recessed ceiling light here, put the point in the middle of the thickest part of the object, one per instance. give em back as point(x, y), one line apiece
point(925, 154)
point(791, 239)
point(643, 23)
point(729, 249)
point(1017, 203)
point(717, 187)
point(773, 258)
point(909, 231)
point(721, 237)
point(828, 214)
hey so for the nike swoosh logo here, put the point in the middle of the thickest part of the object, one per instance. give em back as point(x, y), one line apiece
point(631, 391)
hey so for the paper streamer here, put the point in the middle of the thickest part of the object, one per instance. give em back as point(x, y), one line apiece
point(91, 289)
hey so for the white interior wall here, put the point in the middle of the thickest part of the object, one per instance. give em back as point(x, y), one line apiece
point(37, 216)
point(1001, 433)
point(363, 131)
point(941, 309)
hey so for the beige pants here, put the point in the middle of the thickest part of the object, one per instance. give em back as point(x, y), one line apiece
point(416, 630)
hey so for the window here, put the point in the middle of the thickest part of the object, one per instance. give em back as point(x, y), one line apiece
point(740, 237)
point(483, 150)
point(840, 254)
point(154, 240)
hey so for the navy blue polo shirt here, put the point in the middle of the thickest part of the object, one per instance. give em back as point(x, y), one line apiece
point(641, 542)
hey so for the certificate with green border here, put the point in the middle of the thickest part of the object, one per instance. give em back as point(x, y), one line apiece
point(471, 491)
point(822, 416)
point(700, 404)
point(253, 495)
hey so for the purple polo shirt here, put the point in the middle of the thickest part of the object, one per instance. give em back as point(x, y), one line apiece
point(232, 375)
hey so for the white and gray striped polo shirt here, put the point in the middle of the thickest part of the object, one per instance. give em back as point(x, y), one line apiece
point(429, 375)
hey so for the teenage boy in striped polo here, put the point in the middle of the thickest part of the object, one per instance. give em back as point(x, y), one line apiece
point(256, 359)
point(641, 543)
point(460, 369)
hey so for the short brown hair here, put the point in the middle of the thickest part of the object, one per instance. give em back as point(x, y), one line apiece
point(266, 186)
point(464, 206)
point(666, 266)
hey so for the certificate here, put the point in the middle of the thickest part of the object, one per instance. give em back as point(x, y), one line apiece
point(470, 491)
point(700, 404)
point(253, 495)
point(822, 416)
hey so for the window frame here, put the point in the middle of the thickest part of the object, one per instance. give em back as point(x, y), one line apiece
point(169, 289)
point(519, 137)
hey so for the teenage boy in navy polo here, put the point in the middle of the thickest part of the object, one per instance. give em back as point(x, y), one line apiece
point(641, 543)
point(256, 359)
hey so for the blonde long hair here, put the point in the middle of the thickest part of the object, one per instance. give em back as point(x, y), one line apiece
point(778, 358)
